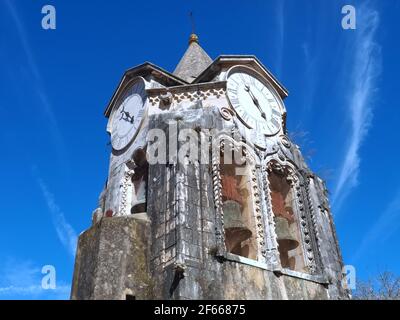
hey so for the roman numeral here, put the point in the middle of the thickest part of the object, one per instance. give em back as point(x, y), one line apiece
point(239, 109)
point(233, 79)
point(252, 123)
point(263, 127)
point(241, 76)
point(249, 121)
point(275, 122)
point(275, 112)
point(233, 91)
point(235, 101)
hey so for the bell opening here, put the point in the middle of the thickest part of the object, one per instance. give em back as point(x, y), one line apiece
point(235, 230)
point(139, 182)
point(238, 211)
point(286, 223)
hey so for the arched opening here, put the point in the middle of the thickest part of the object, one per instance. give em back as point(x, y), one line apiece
point(238, 208)
point(139, 182)
point(286, 221)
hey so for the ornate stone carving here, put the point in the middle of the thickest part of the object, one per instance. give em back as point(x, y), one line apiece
point(126, 191)
point(285, 141)
point(302, 211)
point(260, 236)
point(166, 98)
point(226, 113)
point(250, 158)
point(179, 96)
point(295, 180)
point(217, 193)
point(272, 254)
point(313, 220)
point(274, 166)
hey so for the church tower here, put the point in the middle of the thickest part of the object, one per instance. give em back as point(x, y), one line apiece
point(206, 196)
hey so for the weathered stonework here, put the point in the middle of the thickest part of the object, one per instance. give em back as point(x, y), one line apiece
point(176, 250)
point(113, 259)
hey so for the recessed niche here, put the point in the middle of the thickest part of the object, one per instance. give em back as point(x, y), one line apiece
point(238, 210)
point(286, 222)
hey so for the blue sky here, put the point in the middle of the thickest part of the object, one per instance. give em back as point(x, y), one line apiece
point(55, 84)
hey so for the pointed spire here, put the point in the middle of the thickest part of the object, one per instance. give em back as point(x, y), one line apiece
point(193, 62)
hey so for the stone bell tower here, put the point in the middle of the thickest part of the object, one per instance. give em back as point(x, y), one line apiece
point(206, 196)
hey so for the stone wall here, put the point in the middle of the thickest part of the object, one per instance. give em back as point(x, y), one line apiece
point(113, 260)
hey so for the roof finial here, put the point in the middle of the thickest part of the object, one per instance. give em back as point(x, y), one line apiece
point(193, 36)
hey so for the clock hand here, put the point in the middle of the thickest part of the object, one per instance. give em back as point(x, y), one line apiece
point(132, 118)
point(127, 117)
point(247, 89)
point(122, 112)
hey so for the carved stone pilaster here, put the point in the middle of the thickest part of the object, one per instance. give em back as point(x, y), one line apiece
point(217, 193)
point(302, 211)
point(250, 158)
point(308, 250)
point(126, 192)
point(315, 234)
point(272, 253)
point(260, 234)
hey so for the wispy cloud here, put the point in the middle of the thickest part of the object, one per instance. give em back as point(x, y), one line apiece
point(311, 75)
point(23, 38)
point(36, 80)
point(367, 65)
point(315, 30)
point(386, 225)
point(35, 292)
point(65, 231)
point(22, 280)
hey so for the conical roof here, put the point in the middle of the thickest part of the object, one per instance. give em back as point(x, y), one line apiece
point(194, 61)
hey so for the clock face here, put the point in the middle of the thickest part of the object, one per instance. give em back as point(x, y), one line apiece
point(128, 115)
point(255, 104)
